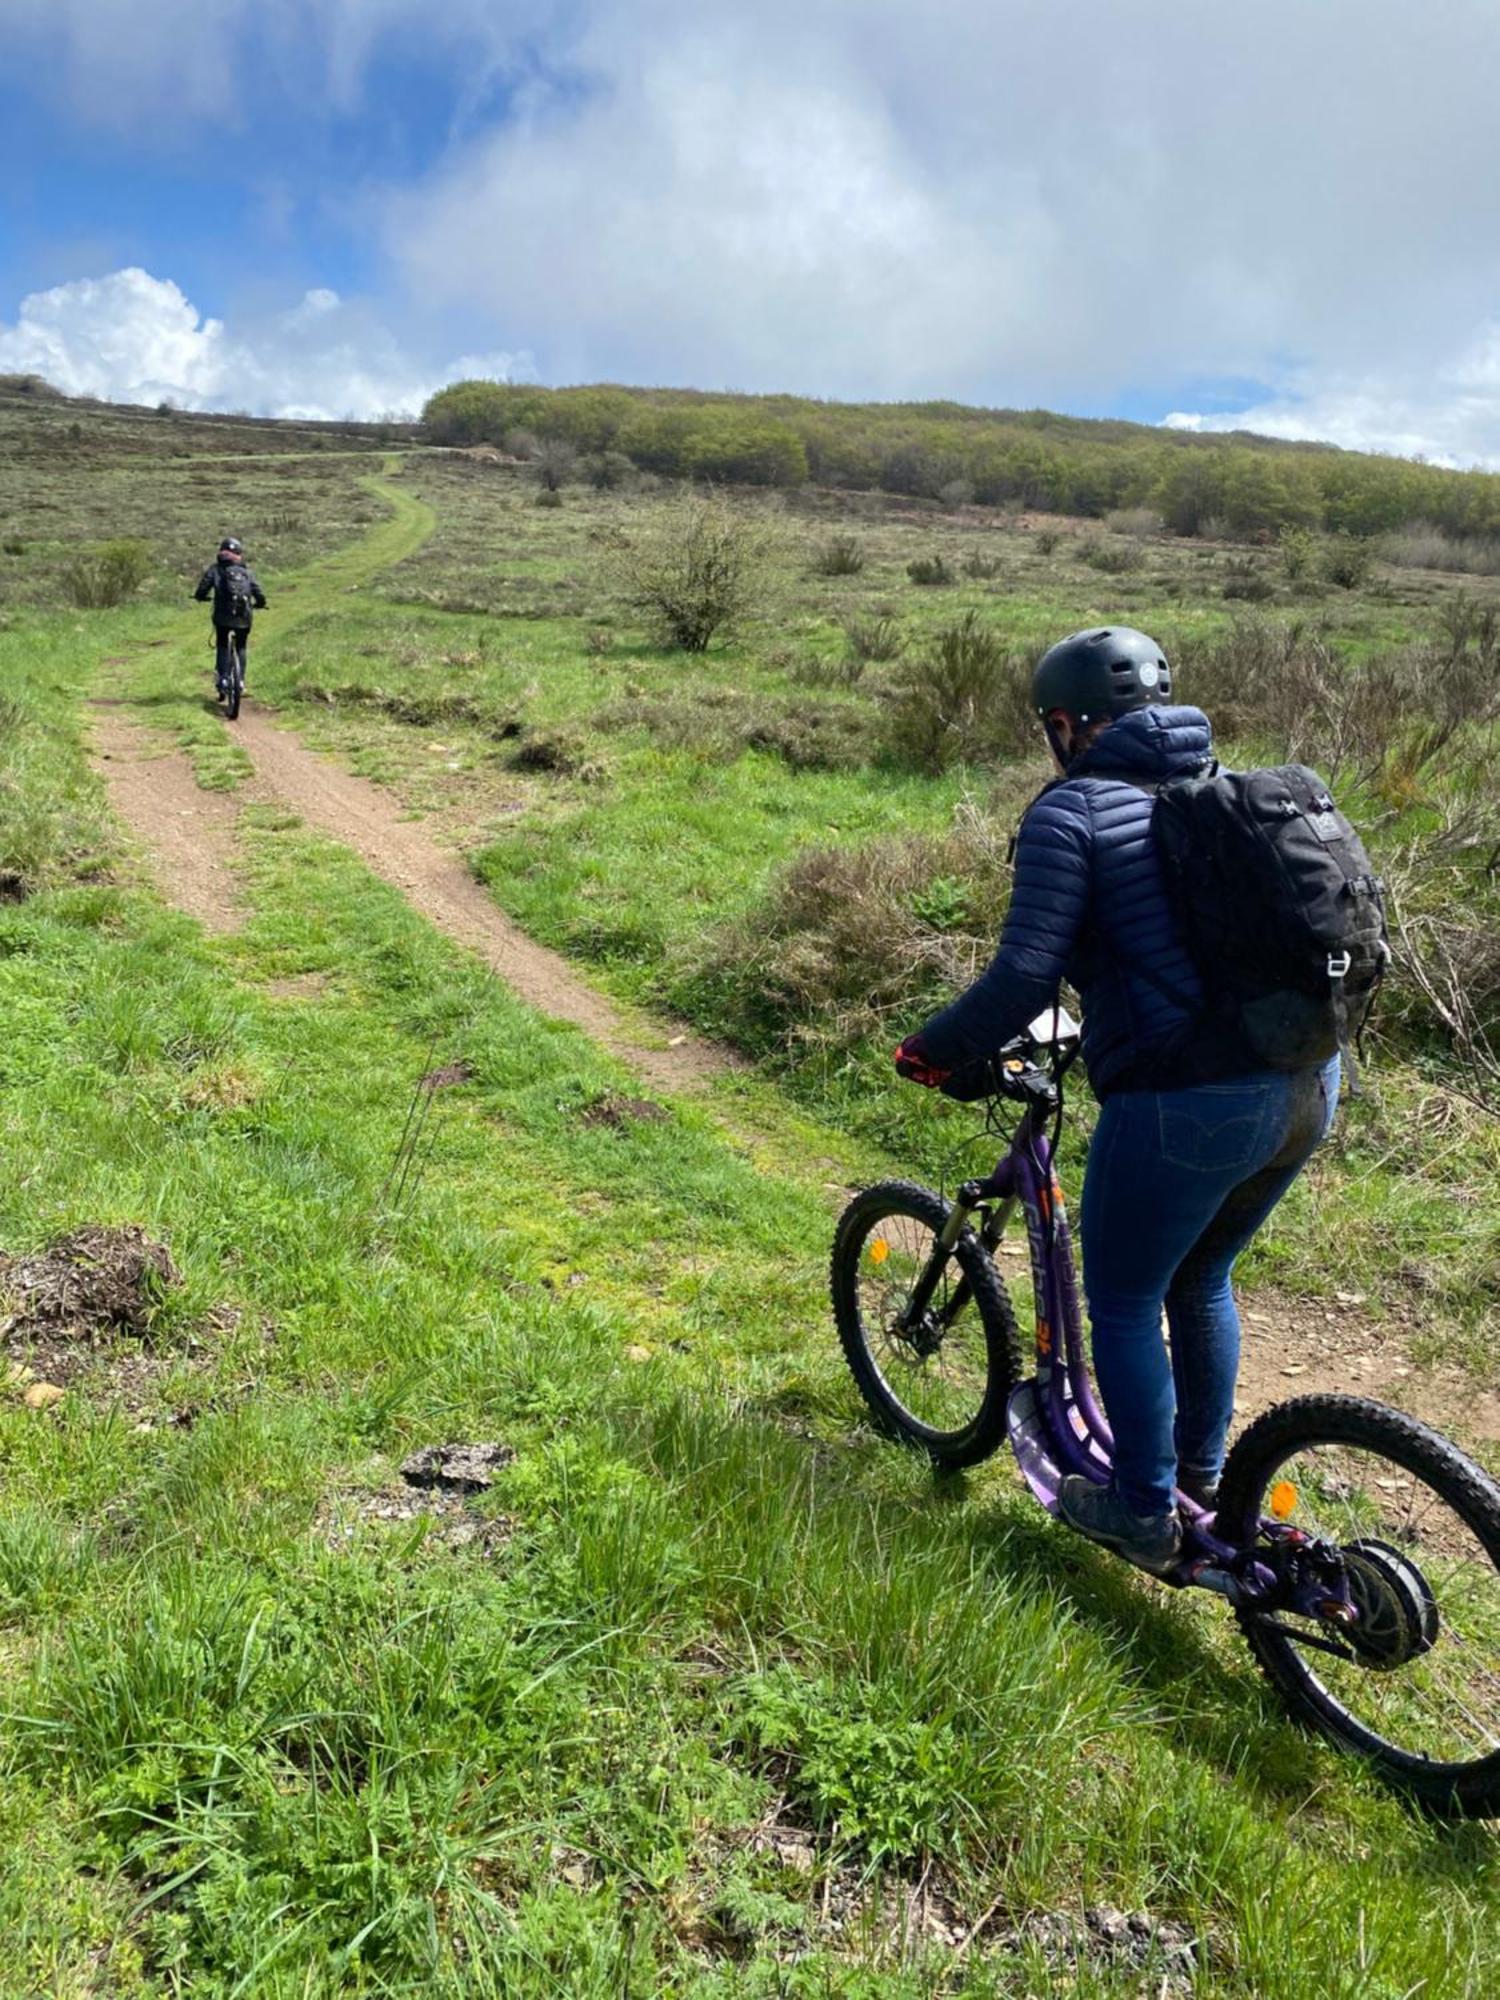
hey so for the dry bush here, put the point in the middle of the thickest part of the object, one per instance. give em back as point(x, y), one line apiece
point(1443, 893)
point(878, 639)
point(851, 941)
point(1046, 540)
point(1421, 545)
point(965, 702)
point(1141, 522)
point(930, 570)
point(721, 723)
point(1245, 579)
point(693, 570)
point(981, 566)
point(554, 462)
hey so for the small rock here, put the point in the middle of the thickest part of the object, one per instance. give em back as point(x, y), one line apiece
point(1350, 1298)
point(1295, 1368)
point(635, 1352)
point(42, 1395)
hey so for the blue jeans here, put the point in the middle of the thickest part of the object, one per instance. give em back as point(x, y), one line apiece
point(1178, 1182)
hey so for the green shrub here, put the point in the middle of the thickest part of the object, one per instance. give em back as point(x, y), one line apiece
point(965, 702)
point(693, 570)
point(112, 574)
point(840, 555)
point(1110, 558)
point(874, 639)
point(930, 570)
point(548, 496)
point(1346, 561)
point(1045, 540)
point(1299, 553)
point(980, 566)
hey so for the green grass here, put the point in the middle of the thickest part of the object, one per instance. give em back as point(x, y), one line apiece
point(261, 1740)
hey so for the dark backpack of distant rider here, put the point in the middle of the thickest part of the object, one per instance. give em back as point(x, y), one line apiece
point(234, 596)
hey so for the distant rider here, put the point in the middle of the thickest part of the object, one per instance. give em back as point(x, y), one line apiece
point(1195, 1143)
point(231, 583)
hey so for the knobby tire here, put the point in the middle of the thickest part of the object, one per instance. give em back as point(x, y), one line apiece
point(981, 1436)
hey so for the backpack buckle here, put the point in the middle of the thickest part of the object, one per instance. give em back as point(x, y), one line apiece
point(1339, 963)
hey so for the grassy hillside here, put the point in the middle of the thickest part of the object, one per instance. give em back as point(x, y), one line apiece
point(708, 1692)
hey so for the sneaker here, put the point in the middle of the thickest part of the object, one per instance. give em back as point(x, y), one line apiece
point(1151, 1541)
point(1203, 1492)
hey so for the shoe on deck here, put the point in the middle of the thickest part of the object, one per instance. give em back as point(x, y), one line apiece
point(1151, 1542)
point(1202, 1492)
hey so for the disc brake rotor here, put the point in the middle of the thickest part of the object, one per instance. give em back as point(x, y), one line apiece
point(1398, 1615)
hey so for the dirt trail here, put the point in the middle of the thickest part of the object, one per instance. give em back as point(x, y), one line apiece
point(436, 882)
point(187, 834)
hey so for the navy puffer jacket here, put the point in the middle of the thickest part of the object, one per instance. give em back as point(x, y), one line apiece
point(1089, 904)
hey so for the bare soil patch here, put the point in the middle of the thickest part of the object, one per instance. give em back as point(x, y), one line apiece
point(436, 882)
point(619, 1113)
point(188, 834)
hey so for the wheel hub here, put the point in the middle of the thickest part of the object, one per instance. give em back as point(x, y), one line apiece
point(1397, 1615)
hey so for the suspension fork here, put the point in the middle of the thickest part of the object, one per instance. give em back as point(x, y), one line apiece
point(970, 1195)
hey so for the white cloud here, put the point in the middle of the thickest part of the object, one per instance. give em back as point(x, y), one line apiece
point(137, 339)
point(1017, 201)
point(1450, 415)
point(1020, 201)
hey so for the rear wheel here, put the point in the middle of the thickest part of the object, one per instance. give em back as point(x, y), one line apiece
point(940, 1382)
point(1413, 1683)
point(236, 685)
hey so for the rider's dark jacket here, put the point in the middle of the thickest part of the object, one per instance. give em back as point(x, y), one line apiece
point(1089, 904)
point(231, 613)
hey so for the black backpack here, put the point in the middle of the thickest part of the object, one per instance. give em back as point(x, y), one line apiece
point(234, 595)
point(1282, 911)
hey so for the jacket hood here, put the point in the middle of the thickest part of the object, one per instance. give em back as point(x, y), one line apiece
point(1149, 743)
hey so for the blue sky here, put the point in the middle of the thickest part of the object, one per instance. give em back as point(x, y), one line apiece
point(1277, 215)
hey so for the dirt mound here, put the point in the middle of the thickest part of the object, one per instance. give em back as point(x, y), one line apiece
point(95, 1279)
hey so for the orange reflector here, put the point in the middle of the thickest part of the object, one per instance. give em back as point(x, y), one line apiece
point(1283, 1500)
point(879, 1250)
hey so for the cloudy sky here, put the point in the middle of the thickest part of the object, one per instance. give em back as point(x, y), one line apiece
point(1280, 214)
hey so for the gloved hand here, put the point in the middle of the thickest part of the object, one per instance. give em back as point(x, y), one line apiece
point(912, 1062)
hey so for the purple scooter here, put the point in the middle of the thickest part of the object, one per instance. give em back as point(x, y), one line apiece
point(1359, 1549)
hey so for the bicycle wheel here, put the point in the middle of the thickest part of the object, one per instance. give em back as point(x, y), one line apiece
point(236, 685)
point(1414, 1684)
point(941, 1386)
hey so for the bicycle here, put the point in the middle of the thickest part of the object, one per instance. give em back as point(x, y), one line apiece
point(1359, 1549)
point(231, 687)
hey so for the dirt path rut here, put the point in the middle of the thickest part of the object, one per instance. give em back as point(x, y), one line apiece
point(187, 834)
point(435, 881)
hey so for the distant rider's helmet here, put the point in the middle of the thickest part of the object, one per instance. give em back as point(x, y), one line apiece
point(1096, 675)
point(230, 547)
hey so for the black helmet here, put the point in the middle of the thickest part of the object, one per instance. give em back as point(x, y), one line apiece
point(1106, 671)
point(230, 547)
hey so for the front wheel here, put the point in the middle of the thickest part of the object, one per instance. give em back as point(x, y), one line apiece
point(938, 1379)
point(1413, 1682)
